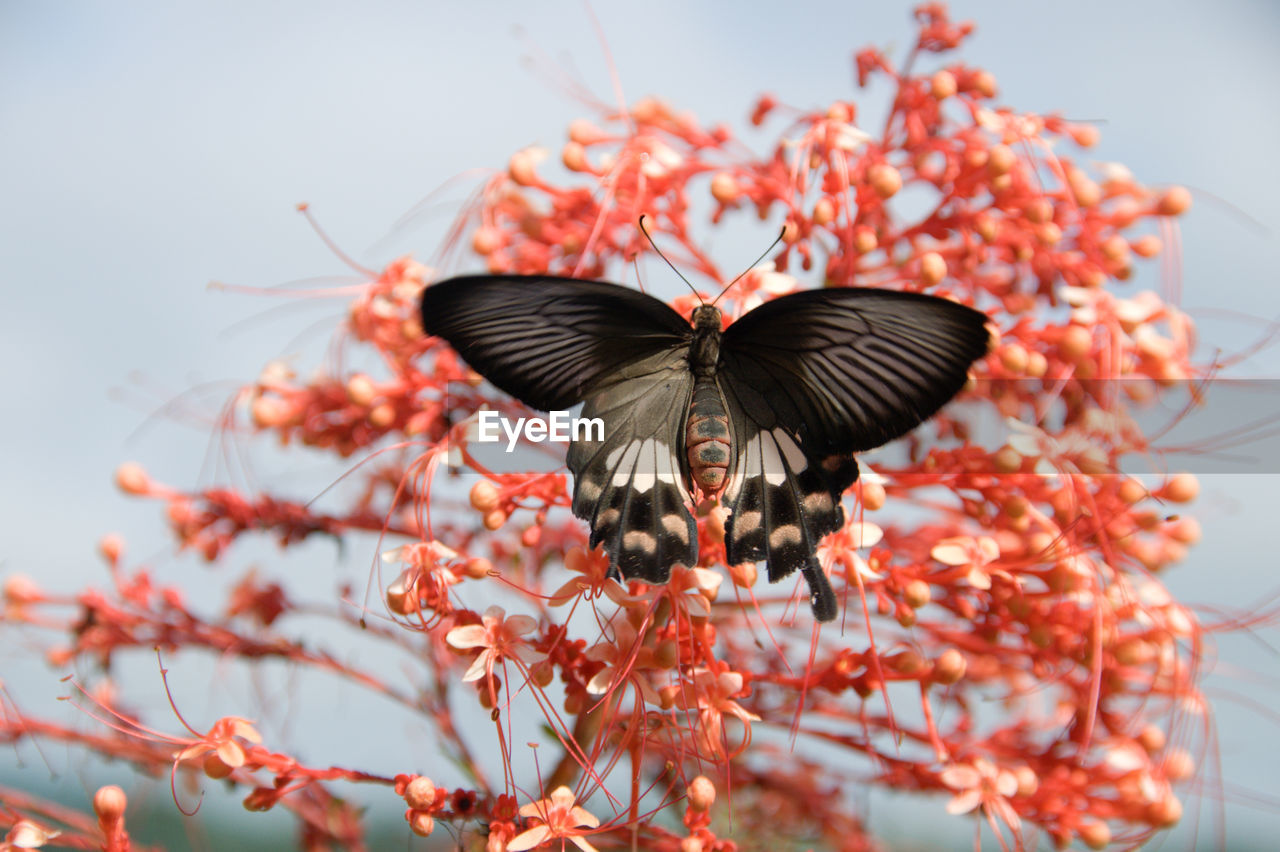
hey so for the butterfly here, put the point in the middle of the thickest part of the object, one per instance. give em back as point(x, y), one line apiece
point(766, 414)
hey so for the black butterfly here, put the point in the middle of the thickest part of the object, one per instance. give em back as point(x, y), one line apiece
point(768, 412)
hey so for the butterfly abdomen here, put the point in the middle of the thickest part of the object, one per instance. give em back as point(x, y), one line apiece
point(706, 438)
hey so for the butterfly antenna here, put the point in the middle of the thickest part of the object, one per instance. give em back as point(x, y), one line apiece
point(645, 231)
point(762, 256)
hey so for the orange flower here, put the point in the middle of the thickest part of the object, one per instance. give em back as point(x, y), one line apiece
point(976, 553)
point(221, 743)
point(982, 783)
point(499, 636)
point(712, 695)
point(593, 567)
point(842, 546)
point(560, 818)
point(618, 655)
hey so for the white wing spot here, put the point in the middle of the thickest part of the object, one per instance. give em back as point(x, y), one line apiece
point(784, 535)
point(637, 540)
point(588, 490)
point(745, 522)
point(612, 459)
point(646, 462)
point(817, 502)
point(607, 518)
point(644, 473)
point(795, 458)
point(676, 526)
point(774, 472)
point(626, 462)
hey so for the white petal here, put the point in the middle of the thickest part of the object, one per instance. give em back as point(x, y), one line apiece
point(468, 636)
point(477, 668)
point(518, 625)
point(863, 568)
point(865, 534)
point(950, 553)
point(964, 802)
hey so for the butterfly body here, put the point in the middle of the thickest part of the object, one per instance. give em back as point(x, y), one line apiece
point(707, 439)
point(766, 414)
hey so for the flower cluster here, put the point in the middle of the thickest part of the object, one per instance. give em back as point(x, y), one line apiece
point(1007, 644)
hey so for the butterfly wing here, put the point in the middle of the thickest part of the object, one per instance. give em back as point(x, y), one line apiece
point(630, 486)
point(783, 496)
point(808, 380)
point(554, 342)
point(547, 340)
point(850, 369)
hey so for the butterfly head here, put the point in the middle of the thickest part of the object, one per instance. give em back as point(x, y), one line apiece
point(706, 316)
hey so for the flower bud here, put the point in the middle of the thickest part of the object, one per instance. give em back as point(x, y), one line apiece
point(484, 496)
point(109, 803)
point(702, 793)
point(873, 496)
point(132, 478)
point(864, 239)
point(943, 85)
point(1095, 835)
point(420, 794)
point(724, 188)
point(421, 824)
point(917, 594)
point(1165, 812)
point(743, 575)
point(1175, 201)
point(1181, 488)
point(884, 179)
point(1000, 159)
point(949, 668)
point(933, 268)
point(361, 390)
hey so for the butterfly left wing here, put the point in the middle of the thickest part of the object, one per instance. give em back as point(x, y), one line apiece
point(630, 486)
point(547, 340)
point(554, 342)
point(808, 380)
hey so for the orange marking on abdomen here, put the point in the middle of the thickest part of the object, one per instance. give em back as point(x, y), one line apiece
point(707, 439)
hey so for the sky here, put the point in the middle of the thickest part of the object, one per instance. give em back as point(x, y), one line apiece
point(147, 149)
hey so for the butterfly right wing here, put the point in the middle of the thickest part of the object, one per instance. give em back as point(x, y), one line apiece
point(548, 340)
point(782, 495)
point(811, 378)
point(630, 486)
point(853, 368)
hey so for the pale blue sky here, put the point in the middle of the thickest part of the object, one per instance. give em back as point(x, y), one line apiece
point(150, 147)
